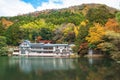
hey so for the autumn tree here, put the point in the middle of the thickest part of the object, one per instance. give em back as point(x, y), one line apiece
point(82, 33)
point(38, 38)
point(65, 33)
point(112, 25)
point(113, 37)
point(31, 29)
point(36, 28)
point(107, 47)
point(110, 46)
point(6, 23)
point(68, 33)
point(96, 34)
point(76, 30)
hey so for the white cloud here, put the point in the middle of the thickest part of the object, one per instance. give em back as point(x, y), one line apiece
point(49, 5)
point(11, 8)
point(68, 3)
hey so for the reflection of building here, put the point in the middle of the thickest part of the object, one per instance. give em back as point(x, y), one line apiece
point(41, 49)
point(28, 64)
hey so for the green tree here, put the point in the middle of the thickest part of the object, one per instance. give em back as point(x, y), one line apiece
point(58, 17)
point(14, 35)
point(33, 29)
point(117, 16)
point(99, 15)
point(46, 33)
point(3, 46)
point(2, 30)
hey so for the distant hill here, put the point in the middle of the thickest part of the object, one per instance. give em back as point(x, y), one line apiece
point(75, 9)
point(51, 15)
point(54, 24)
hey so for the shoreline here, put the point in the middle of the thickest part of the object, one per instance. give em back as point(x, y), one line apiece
point(94, 56)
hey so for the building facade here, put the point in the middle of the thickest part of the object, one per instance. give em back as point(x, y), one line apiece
point(42, 49)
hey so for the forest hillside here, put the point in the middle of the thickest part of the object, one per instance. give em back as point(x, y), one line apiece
point(95, 26)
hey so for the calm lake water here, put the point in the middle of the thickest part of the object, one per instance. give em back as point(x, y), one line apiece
point(41, 68)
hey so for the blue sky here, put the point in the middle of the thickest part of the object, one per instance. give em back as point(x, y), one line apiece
point(16, 7)
point(35, 3)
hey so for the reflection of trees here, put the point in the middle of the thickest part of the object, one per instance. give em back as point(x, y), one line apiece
point(27, 64)
point(3, 65)
point(105, 73)
point(113, 72)
point(100, 69)
point(97, 75)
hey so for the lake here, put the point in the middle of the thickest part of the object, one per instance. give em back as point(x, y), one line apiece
point(46, 68)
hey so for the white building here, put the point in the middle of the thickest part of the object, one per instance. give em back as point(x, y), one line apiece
point(41, 49)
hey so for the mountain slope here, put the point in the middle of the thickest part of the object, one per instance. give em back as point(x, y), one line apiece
point(61, 24)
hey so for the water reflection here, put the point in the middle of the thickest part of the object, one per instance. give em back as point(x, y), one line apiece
point(90, 60)
point(40, 68)
point(28, 64)
point(93, 61)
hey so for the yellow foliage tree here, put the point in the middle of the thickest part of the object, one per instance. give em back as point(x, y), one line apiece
point(95, 34)
point(37, 24)
point(84, 23)
point(68, 28)
point(76, 31)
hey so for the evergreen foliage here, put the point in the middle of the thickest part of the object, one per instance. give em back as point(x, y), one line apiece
point(3, 46)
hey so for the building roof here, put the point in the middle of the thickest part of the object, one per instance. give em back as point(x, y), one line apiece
point(55, 44)
point(37, 45)
point(40, 45)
